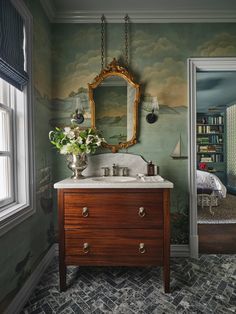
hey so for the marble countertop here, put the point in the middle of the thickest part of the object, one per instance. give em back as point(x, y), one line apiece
point(98, 183)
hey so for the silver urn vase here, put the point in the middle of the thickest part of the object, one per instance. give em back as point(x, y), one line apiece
point(77, 163)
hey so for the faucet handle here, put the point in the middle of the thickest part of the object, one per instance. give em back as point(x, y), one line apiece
point(115, 170)
point(106, 171)
point(125, 171)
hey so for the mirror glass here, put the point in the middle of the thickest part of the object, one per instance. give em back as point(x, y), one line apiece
point(114, 101)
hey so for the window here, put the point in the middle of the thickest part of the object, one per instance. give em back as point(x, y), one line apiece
point(7, 193)
point(16, 145)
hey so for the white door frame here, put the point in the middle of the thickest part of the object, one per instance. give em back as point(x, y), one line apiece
point(194, 65)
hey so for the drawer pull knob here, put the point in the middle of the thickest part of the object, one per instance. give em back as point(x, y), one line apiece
point(86, 248)
point(85, 212)
point(142, 249)
point(141, 211)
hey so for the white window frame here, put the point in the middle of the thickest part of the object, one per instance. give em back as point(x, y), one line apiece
point(23, 205)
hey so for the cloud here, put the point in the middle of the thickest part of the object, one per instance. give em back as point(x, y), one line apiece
point(151, 57)
point(76, 74)
point(151, 46)
point(167, 80)
point(174, 92)
point(79, 72)
point(223, 44)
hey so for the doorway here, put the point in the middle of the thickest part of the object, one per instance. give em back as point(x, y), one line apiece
point(212, 149)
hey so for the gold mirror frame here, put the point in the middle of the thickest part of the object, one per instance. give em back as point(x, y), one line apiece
point(114, 69)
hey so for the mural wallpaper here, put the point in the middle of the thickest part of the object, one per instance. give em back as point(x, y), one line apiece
point(158, 54)
point(25, 245)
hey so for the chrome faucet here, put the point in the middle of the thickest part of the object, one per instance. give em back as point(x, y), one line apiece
point(115, 170)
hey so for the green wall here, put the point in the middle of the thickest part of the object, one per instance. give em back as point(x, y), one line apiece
point(158, 61)
point(24, 246)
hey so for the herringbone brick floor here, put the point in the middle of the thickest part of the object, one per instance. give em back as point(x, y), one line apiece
point(207, 285)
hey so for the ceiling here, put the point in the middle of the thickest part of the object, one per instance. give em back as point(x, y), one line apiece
point(87, 11)
point(215, 90)
point(123, 5)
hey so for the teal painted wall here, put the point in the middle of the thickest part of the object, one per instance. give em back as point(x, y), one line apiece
point(23, 247)
point(158, 54)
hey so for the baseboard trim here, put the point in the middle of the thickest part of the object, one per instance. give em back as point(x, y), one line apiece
point(193, 239)
point(23, 295)
point(179, 250)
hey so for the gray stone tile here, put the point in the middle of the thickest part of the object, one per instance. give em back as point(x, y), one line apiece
point(206, 285)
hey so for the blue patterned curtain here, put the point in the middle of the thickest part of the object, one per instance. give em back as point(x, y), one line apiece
point(11, 46)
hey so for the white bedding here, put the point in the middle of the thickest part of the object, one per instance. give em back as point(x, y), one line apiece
point(206, 180)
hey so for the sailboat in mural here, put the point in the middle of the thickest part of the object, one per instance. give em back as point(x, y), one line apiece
point(177, 152)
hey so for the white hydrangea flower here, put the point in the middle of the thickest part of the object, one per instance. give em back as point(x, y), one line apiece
point(69, 133)
point(75, 143)
point(64, 149)
point(79, 140)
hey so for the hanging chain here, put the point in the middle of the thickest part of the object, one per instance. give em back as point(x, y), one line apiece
point(102, 41)
point(126, 18)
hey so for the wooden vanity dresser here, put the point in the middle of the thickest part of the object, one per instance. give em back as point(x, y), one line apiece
point(114, 227)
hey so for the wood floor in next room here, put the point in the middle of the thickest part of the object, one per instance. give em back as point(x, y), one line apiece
point(217, 231)
point(206, 285)
point(217, 238)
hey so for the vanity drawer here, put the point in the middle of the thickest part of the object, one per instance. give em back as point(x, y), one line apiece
point(113, 210)
point(120, 247)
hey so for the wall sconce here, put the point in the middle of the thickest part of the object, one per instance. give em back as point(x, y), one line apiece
point(153, 117)
point(77, 116)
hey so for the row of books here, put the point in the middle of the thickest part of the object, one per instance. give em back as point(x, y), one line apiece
point(202, 129)
point(211, 158)
point(213, 139)
point(210, 148)
point(210, 119)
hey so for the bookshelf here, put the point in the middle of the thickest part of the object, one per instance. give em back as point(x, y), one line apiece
point(211, 143)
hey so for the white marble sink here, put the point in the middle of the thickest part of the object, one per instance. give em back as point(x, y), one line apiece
point(115, 179)
point(110, 183)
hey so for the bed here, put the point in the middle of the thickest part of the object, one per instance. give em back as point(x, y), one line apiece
point(209, 190)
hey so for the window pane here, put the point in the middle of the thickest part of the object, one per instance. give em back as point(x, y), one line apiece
point(4, 130)
point(5, 178)
point(4, 92)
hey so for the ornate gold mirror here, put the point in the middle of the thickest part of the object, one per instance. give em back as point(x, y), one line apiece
point(114, 98)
